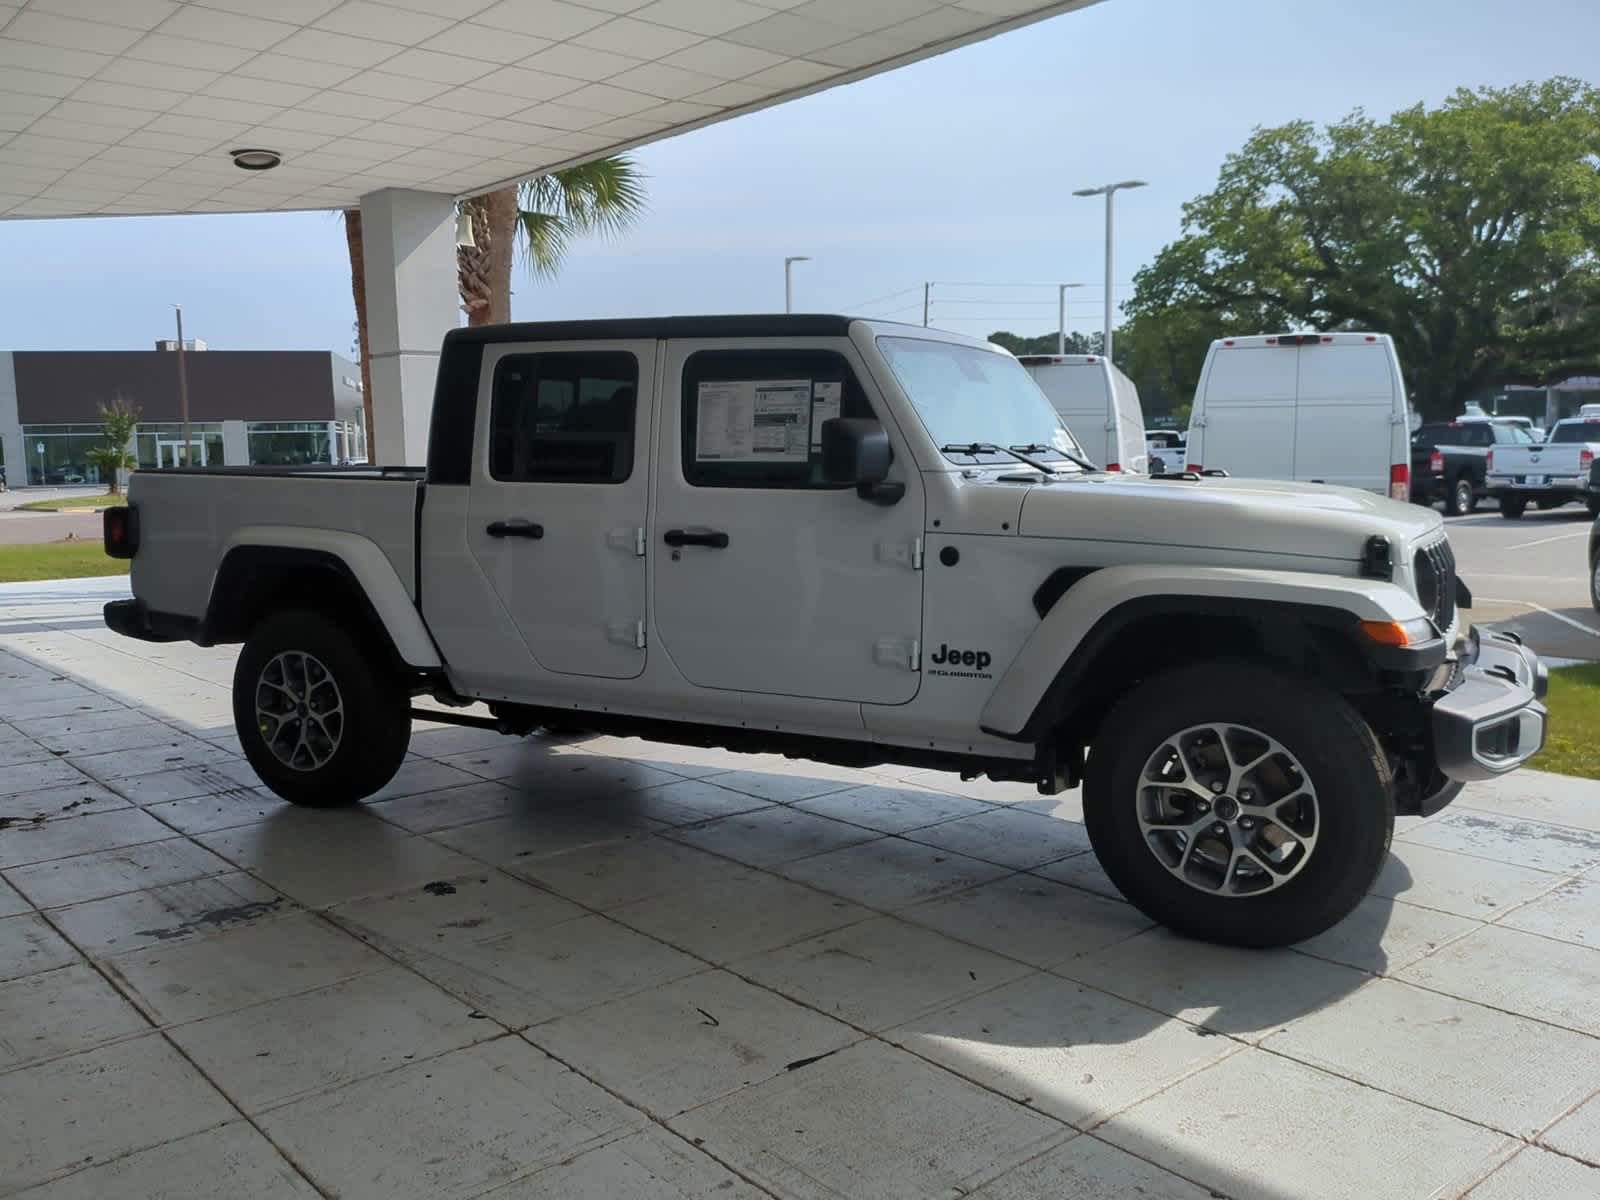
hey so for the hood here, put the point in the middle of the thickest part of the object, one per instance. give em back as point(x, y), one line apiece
point(1261, 515)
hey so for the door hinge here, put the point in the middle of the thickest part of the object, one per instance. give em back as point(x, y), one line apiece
point(898, 652)
point(905, 554)
point(626, 633)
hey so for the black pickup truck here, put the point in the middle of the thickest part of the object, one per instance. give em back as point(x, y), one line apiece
point(1449, 461)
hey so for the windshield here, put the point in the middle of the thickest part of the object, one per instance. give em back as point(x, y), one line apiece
point(1576, 431)
point(964, 395)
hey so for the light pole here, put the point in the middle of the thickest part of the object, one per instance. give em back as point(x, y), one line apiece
point(183, 389)
point(788, 279)
point(1061, 315)
point(1108, 191)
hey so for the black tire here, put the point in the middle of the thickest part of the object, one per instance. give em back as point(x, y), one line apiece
point(1594, 581)
point(1342, 759)
point(1511, 507)
point(366, 745)
point(1459, 500)
point(1593, 505)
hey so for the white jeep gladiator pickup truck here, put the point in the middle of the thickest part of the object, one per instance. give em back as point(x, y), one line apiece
point(860, 543)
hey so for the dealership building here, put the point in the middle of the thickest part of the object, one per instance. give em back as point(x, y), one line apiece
point(257, 407)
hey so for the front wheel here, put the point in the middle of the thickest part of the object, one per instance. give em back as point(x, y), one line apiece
point(320, 715)
point(1236, 803)
point(1511, 507)
point(1460, 501)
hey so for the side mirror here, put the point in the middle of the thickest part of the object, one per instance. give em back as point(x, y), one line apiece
point(856, 450)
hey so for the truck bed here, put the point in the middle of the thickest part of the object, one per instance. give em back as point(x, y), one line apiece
point(191, 517)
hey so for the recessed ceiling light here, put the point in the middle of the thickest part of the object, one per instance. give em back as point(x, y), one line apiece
point(255, 160)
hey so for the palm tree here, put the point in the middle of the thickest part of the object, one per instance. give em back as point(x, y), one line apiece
point(544, 215)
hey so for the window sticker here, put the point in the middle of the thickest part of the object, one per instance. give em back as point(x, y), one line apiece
point(826, 398)
point(753, 420)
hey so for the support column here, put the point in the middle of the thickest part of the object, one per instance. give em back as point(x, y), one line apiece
point(235, 444)
point(15, 450)
point(408, 243)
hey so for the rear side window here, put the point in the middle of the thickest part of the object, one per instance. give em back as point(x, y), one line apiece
point(753, 418)
point(1576, 431)
point(564, 417)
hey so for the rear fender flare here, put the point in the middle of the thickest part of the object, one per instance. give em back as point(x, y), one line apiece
point(367, 564)
point(1100, 603)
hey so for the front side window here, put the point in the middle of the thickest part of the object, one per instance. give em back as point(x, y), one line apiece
point(564, 417)
point(753, 418)
point(965, 396)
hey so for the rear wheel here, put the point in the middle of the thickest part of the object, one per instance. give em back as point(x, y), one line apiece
point(1594, 582)
point(1511, 507)
point(1238, 804)
point(321, 717)
point(1460, 501)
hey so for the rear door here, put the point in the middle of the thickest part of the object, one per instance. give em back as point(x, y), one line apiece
point(560, 490)
point(766, 578)
point(1247, 421)
point(1345, 423)
point(1078, 393)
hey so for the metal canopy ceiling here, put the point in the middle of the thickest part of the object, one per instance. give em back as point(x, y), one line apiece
point(131, 106)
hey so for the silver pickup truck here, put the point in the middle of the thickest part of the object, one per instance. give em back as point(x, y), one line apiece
point(1551, 473)
point(861, 543)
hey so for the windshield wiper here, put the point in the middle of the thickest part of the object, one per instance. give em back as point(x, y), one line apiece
point(976, 448)
point(1034, 448)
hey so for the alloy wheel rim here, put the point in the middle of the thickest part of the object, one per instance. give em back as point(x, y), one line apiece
point(299, 710)
point(1228, 810)
point(1463, 495)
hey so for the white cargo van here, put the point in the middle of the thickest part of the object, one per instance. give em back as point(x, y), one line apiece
point(1318, 407)
point(1098, 403)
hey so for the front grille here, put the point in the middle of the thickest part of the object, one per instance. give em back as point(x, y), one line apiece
point(1435, 569)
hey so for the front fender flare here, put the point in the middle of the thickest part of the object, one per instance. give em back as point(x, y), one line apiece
point(1093, 603)
point(368, 565)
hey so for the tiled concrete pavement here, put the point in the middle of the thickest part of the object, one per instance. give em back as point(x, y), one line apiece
point(604, 968)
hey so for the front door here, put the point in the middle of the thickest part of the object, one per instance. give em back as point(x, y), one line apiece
point(170, 454)
point(767, 578)
point(557, 508)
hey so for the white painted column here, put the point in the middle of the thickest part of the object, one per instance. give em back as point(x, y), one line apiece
point(408, 241)
point(16, 451)
point(235, 444)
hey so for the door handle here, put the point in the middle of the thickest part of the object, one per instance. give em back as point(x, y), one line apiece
point(522, 529)
point(683, 537)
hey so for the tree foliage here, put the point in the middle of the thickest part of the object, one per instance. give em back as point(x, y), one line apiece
point(117, 421)
point(540, 218)
point(1470, 232)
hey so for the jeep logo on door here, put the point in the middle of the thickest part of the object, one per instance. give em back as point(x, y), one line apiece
point(964, 664)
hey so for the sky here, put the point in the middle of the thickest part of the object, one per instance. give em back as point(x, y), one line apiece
point(957, 170)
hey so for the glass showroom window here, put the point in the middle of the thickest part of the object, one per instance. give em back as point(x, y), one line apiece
point(288, 443)
point(160, 443)
point(58, 454)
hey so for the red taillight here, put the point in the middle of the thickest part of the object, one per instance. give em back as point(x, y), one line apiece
point(1585, 459)
point(1113, 466)
point(1436, 462)
point(1400, 481)
point(1488, 462)
point(120, 532)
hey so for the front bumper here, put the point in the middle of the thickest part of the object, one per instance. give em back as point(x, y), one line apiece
point(1489, 719)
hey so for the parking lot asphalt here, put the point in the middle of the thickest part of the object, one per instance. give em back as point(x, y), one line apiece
point(594, 967)
point(1531, 577)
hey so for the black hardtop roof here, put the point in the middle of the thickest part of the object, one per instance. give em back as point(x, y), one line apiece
point(731, 326)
